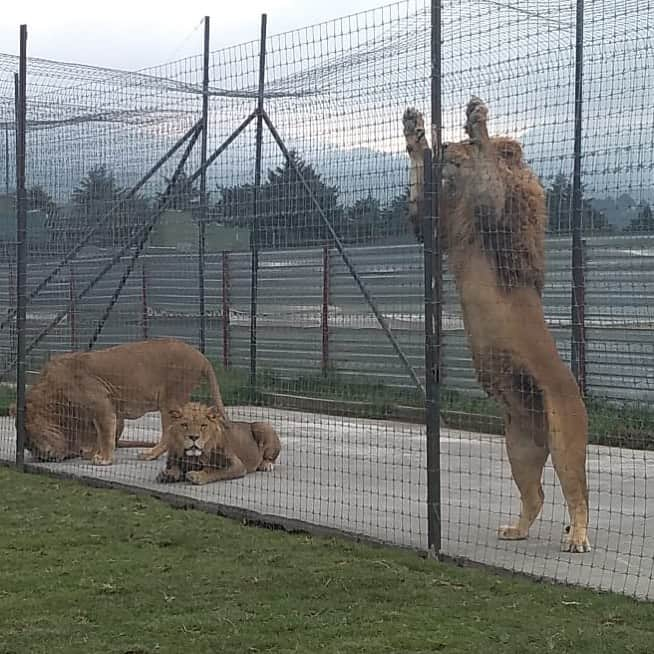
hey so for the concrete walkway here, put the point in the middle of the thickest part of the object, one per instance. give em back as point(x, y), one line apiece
point(368, 477)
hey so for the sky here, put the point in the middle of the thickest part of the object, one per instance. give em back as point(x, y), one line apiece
point(133, 34)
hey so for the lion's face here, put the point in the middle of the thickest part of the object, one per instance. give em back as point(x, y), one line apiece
point(195, 430)
point(461, 167)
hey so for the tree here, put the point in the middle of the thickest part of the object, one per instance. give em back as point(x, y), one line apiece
point(644, 221)
point(559, 205)
point(395, 216)
point(560, 209)
point(364, 219)
point(97, 195)
point(183, 194)
point(235, 205)
point(287, 212)
point(39, 199)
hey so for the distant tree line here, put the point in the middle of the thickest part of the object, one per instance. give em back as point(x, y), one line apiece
point(290, 210)
point(598, 216)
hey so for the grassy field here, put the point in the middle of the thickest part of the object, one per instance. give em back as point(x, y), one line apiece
point(618, 425)
point(90, 571)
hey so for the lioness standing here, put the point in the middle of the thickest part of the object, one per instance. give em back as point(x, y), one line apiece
point(80, 401)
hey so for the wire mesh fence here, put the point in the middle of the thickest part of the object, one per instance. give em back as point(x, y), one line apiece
point(283, 252)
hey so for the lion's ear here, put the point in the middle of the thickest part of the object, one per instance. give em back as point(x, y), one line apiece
point(175, 414)
point(212, 413)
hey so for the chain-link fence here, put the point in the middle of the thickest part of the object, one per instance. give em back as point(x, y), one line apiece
point(253, 202)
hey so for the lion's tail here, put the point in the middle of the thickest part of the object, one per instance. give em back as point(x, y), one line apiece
point(210, 374)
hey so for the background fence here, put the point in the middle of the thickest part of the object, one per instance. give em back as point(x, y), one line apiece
point(253, 202)
point(305, 332)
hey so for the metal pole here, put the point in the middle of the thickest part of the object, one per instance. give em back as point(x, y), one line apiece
point(203, 183)
point(226, 305)
point(7, 159)
point(144, 301)
point(578, 344)
point(72, 309)
point(254, 236)
point(21, 247)
point(326, 275)
point(433, 291)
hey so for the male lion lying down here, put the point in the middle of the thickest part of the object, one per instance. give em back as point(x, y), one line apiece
point(80, 401)
point(203, 448)
point(493, 221)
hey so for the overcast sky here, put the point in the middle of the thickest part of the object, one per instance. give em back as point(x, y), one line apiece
point(133, 34)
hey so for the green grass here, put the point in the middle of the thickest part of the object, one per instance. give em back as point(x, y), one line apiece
point(90, 571)
point(610, 423)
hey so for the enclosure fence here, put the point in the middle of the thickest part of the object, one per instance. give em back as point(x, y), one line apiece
point(253, 202)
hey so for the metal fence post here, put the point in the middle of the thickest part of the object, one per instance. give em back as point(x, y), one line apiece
point(226, 309)
point(202, 220)
point(72, 308)
point(433, 292)
point(578, 345)
point(324, 318)
point(145, 327)
point(254, 232)
point(21, 247)
point(7, 158)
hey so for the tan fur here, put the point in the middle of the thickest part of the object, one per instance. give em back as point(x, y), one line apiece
point(493, 218)
point(202, 448)
point(79, 403)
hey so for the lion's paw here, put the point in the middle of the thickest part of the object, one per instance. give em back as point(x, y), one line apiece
point(165, 477)
point(511, 532)
point(577, 543)
point(266, 466)
point(196, 477)
point(476, 115)
point(99, 460)
point(147, 456)
point(414, 125)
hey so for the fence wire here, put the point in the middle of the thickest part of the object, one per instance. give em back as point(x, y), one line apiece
point(306, 291)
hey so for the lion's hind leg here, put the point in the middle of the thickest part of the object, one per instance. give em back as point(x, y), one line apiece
point(527, 455)
point(269, 444)
point(568, 442)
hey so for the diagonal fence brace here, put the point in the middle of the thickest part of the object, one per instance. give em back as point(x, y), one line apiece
point(345, 256)
point(72, 253)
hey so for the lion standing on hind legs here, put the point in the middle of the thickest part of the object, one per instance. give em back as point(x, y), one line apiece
point(493, 219)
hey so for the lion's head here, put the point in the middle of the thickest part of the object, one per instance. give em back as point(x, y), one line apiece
point(195, 431)
point(43, 435)
point(461, 166)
